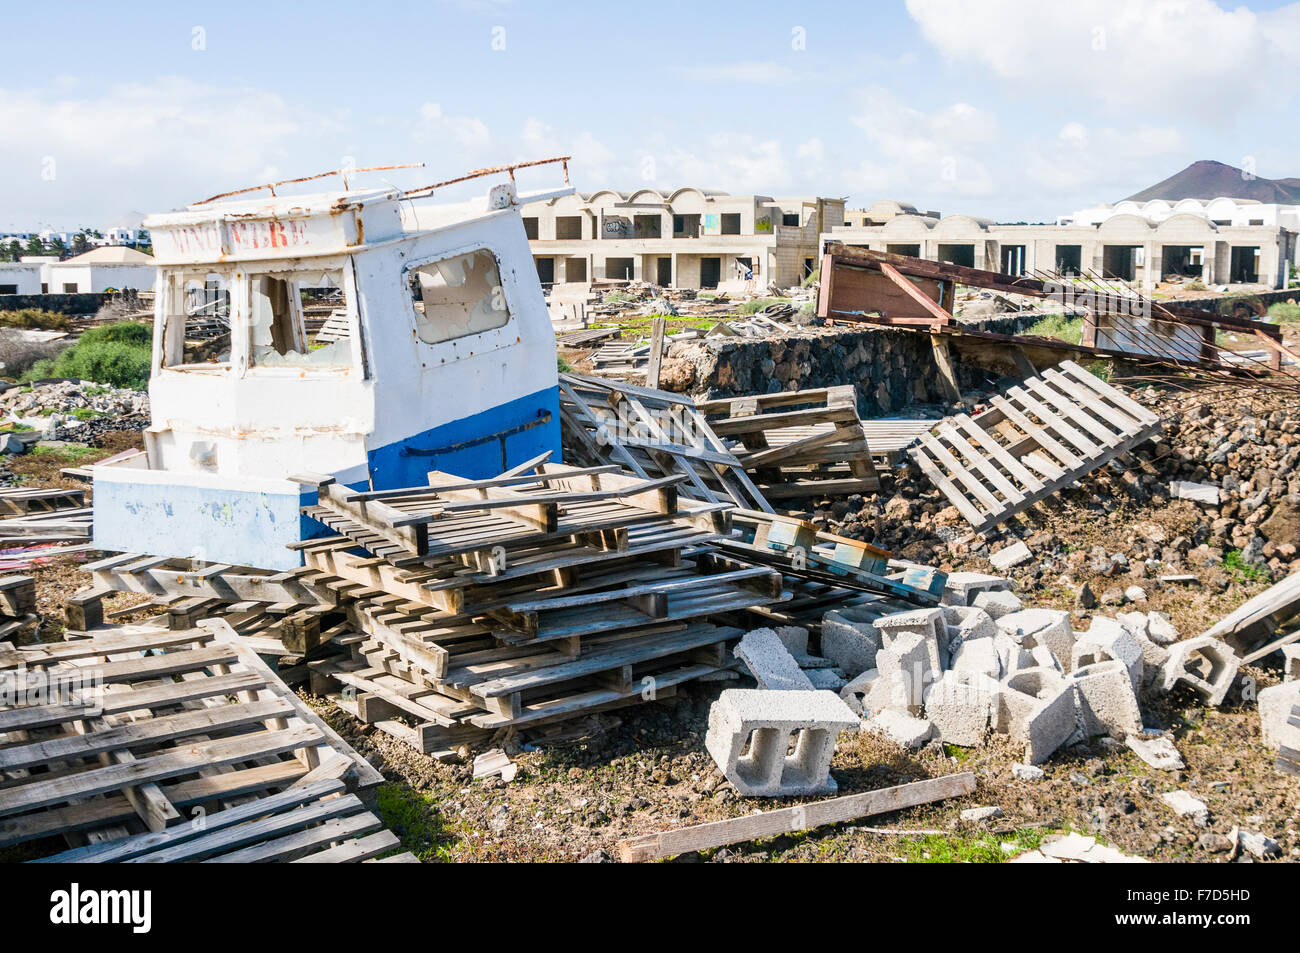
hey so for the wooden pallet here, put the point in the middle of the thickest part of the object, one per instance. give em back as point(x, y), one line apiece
point(316, 822)
point(19, 501)
point(489, 686)
point(181, 578)
point(652, 433)
point(471, 519)
point(1288, 759)
point(1036, 440)
point(798, 443)
point(799, 548)
point(148, 722)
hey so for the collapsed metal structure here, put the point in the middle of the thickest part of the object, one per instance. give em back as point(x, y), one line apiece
point(863, 285)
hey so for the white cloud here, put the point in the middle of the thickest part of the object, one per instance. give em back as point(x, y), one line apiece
point(469, 133)
point(149, 145)
point(912, 151)
point(1154, 57)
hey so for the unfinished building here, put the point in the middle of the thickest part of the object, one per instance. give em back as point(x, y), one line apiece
point(1220, 241)
point(685, 238)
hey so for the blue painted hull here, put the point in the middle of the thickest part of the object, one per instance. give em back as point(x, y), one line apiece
point(245, 527)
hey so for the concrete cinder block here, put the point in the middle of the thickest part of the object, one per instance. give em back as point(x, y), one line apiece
point(962, 706)
point(1111, 639)
point(1010, 556)
point(900, 728)
point(793, 637)
point(965, 623)
point(1160, 629)
point(1291, 662)
point(1205, 493)
point(927, 623)
point(751, 734)
point(1049, 627)
point(998, 603)
point(1044, 658)
point(1275, 704)
point(1204, 663)
point(1108, 704)
point(856, 690)
point(1011, 656)
point(908, 665)
point(962, 587)
point(1037, 709)
point(850, 640)
point(770, 662)
point(978, 655)
point(826, 679)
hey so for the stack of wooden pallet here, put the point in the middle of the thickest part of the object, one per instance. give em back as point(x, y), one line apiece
point(652, 433)
point(1037, 439)
point(798, 443)
point(471, 605)
point(116, 739)
point(37, 516)
point(525, 599)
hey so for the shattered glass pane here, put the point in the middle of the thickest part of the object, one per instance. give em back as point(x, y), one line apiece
point(458, 296)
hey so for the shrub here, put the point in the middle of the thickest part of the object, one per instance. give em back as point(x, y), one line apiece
point(17, 354)
point(1284, 312)
point(1060, 327)
point(36, 318)
point(117, 354)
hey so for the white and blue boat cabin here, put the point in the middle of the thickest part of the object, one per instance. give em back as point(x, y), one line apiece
point(362, 334)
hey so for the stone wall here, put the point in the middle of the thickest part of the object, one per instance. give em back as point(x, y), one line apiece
point(81, 303)
point(890, 367)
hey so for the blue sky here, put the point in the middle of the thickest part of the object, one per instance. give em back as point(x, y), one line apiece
point(1002, 108)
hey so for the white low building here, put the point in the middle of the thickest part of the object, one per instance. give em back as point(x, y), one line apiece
point(112, 267)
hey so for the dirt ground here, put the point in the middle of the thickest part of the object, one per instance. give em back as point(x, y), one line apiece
point(588, 784)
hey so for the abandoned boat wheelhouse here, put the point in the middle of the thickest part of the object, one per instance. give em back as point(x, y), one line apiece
point(371, 335)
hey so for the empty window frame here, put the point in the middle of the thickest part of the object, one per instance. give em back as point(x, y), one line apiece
point(568, 227)
point(196, 329)
point(457, 296)
point(530, 227)
point(280, 306)
point(731, 223)
point(791, 220)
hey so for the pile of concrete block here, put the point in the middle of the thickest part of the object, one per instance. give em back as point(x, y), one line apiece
point(982, 662)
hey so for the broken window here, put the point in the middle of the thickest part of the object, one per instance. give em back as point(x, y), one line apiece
point(458, 296)
point(686, 226)
point(278, 309)
point(196, 329)
point(912, 251)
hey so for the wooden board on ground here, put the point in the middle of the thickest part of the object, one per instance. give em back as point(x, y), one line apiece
point(789, 820)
